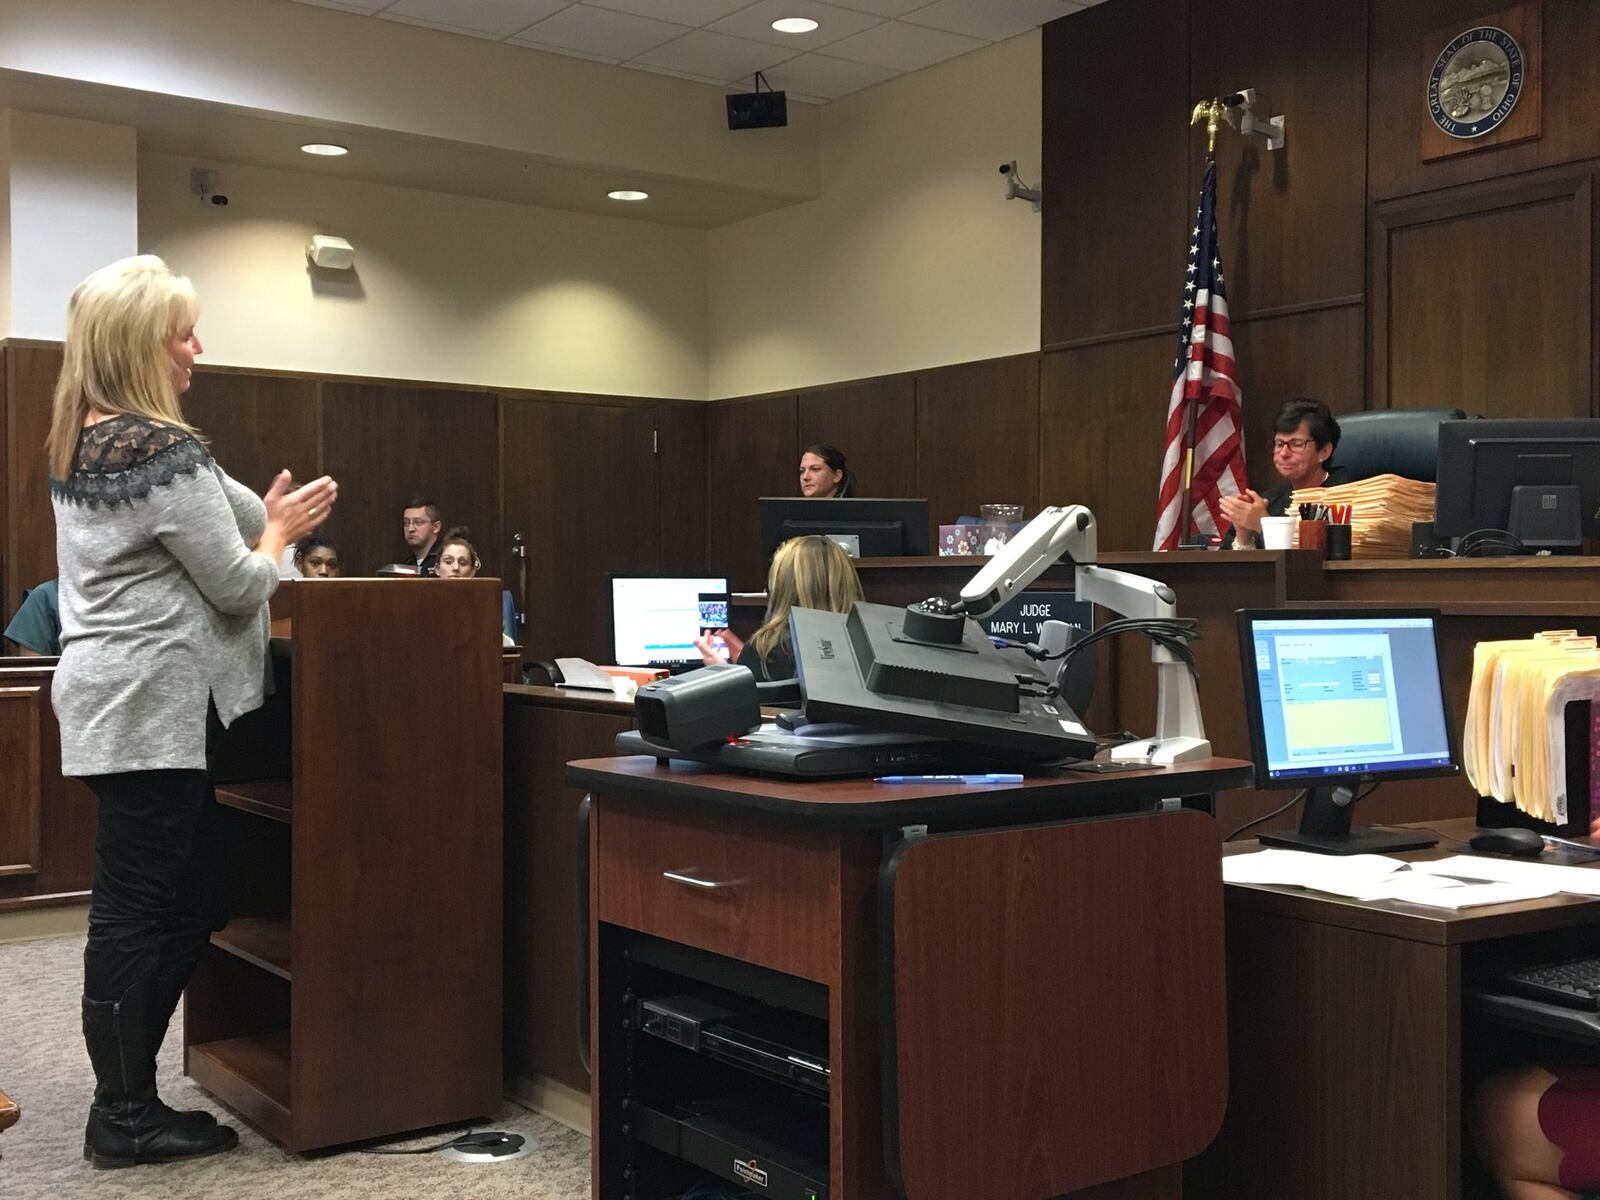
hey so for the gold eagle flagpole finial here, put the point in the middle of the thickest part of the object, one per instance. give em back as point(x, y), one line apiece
point(1214, 112)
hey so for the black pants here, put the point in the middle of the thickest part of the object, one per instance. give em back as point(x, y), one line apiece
point(157, 877)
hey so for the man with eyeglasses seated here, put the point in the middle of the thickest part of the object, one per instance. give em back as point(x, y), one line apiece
point(420, 524)
point(1304, 438)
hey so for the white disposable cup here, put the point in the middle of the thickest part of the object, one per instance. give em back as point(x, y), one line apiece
point(1277, 533)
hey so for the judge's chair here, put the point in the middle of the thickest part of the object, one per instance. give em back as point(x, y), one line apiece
point(1392, 441)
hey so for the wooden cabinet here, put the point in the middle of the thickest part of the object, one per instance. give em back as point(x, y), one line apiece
point(355, 993)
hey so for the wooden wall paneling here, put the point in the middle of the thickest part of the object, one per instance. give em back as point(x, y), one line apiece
point(874, 423)
point(386, 444)
point(1291, 222)
point(978, 437)
point(1319, 354)
point(21, 783)
point(681, 463)
point(1116, 104)
point(580, 486)
point(1102, 412)
point(1483, 297)
point(30, 523)
point(1398, 80)
point(259, 424)
point(752, 450)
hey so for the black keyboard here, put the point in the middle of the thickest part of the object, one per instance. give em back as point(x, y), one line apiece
point(1571, 984)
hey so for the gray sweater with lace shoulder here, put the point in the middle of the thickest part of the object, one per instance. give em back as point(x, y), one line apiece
point(163, 603)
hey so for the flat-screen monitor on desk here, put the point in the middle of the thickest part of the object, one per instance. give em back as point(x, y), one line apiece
point(1482, 464)
point(1338, 702)
point(884, 527)
point(655, 619)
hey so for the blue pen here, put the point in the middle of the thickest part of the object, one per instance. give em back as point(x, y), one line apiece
point(1556, 843)
point(990, 778)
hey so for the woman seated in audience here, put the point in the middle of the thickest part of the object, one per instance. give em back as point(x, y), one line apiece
point(458, 560)
point(317, 558)
point(807, 572)
point(823, 472)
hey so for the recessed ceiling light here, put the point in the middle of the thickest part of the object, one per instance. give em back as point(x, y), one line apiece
point(326, 149)
point(794, 24)
point(627, 194)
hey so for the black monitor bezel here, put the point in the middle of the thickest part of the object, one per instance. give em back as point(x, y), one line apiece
point(915, 540)
point(611, 612)
point(1245, 618)
point(1455, 471)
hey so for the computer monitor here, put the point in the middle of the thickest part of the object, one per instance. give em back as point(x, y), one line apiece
point(1337, 700)
point(1483, 463)
point(655, 619)
point(886, 527)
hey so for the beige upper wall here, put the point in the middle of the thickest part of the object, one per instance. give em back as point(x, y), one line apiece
point(446, 288)
point(910, 257)
point(330, 67)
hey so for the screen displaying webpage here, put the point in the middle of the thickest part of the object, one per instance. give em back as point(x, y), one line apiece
point(1349, 695)
point(655, 621)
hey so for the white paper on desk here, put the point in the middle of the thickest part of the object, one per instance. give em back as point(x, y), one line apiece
point(1343, 874)
point(1581, 881)
point(1413, 888)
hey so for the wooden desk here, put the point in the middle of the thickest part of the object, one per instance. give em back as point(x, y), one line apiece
point(1349, 1051)
point(1051, 987)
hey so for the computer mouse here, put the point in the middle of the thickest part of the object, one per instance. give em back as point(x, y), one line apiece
point(1508, 841)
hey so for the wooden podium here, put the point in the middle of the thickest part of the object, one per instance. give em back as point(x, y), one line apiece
point(1022, 986)
point(355, 993)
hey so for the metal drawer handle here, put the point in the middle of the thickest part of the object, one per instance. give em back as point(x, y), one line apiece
point(709, 885)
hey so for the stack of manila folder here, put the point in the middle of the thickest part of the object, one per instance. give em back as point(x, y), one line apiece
point(1514, 745)
point(1382, 511)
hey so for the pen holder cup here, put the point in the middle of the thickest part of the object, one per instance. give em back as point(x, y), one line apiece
point(1337, 548)
point(1314, 535)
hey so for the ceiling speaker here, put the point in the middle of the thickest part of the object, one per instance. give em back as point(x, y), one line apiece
point(757, 110)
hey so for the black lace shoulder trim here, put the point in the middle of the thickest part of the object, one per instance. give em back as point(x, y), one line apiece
point(123, 458)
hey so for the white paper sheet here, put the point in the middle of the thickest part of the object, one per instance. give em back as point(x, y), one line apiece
point(1581, 881)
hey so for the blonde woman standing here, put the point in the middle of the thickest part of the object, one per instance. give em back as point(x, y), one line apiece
point(166, 565)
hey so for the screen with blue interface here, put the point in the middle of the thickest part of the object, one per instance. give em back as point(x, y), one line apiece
point(1349, 695)
point(654, 621)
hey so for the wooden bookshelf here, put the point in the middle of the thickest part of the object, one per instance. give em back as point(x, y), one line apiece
point(273, 799)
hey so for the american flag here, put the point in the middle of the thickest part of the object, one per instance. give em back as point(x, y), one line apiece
point(1202, 377)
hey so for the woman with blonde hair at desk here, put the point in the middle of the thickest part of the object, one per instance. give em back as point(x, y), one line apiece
point(166, 565)
point(807, 572)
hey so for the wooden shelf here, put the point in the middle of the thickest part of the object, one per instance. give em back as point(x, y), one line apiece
point(249, 1075)
point(270, 798)
point(262, 941)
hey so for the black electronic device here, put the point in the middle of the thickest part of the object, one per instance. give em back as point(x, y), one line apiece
point(656, 618)
point(885, 527)
point(757, 110)
point(1483, 464)
point(1340, 699)
point(700, 708)
point(1513, 839)
point(861, 667)
point(777, 1043)
point(1573, 983)
point(818, 751)
point(684, 1019)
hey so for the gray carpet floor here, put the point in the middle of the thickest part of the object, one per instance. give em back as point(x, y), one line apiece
point(44, 1068)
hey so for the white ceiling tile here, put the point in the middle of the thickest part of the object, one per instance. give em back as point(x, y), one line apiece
point(599, 32)
point(903, 47)
point(993, 20)
point(694, 13)
point(826, 78)
point(714, 56)
point(756, 21)
point(635, 66)
point(883, 8)
point(487, 18)
point(360, 6)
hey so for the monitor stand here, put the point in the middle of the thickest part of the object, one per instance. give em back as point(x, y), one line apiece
point(1325, 828)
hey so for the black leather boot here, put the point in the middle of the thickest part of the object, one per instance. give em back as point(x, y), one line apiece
point(128, 1123)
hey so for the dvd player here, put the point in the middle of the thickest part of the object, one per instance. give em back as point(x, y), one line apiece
point(779, 1044)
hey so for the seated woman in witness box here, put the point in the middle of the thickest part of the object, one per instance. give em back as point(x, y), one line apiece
point(317, 558)
point(458, 560)
point(807, 572)
point(823, 472)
